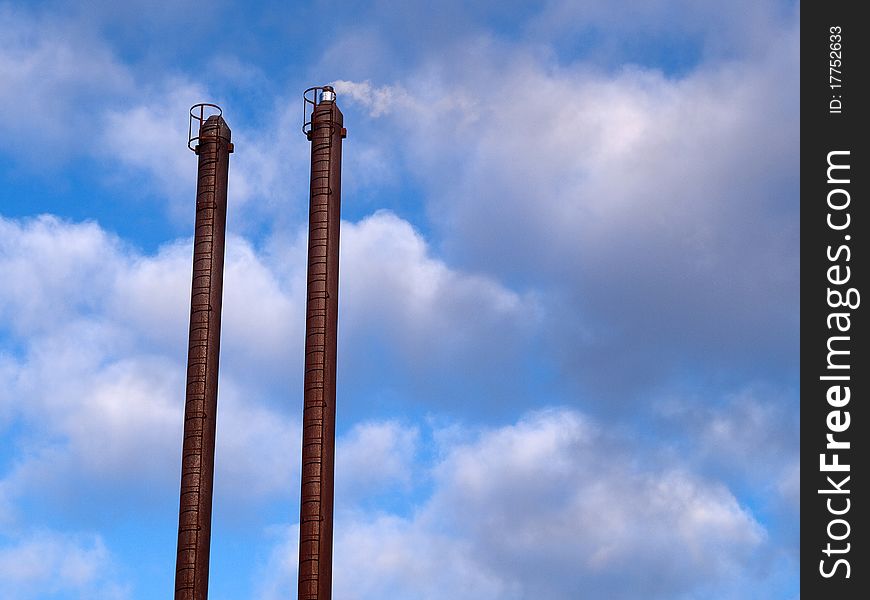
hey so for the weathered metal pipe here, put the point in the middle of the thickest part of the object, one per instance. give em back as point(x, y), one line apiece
point(200, 409)
point(321, 329)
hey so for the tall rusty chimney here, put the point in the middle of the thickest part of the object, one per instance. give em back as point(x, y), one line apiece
point(211, 142)
point(325, 130)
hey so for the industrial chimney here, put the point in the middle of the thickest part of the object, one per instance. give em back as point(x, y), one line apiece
point(209, 138)
point(323, 125)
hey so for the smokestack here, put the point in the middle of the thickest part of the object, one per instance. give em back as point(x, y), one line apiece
point(212, 144)
point(325, 131)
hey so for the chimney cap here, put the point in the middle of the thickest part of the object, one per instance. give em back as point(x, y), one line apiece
point(311, 99)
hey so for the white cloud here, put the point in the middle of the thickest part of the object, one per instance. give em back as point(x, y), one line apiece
point(277, 576)
point(50, 68)
point(43, 265)
point(536, 171)
point(391, 556)
point(373, 456)
point(551, 172)
point(98, 378)
point(50, 563)
point(749, 426)
point(378, 100)
point(150, 138)
point(789, 486)
point(397, 295)
point(752, 435)
point(67, 93)
point(541, 509)
point(738, 28)
point(391, 272)
point(555, 503)
point(268, 169)
point(98, 382)
point(258, 446)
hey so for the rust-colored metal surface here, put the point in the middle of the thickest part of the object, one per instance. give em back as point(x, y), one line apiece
point(200, 410)
point(325, 130)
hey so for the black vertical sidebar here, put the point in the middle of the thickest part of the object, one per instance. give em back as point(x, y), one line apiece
point(835, 375)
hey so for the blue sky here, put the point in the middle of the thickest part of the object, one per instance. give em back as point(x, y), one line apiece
point(569, 296)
